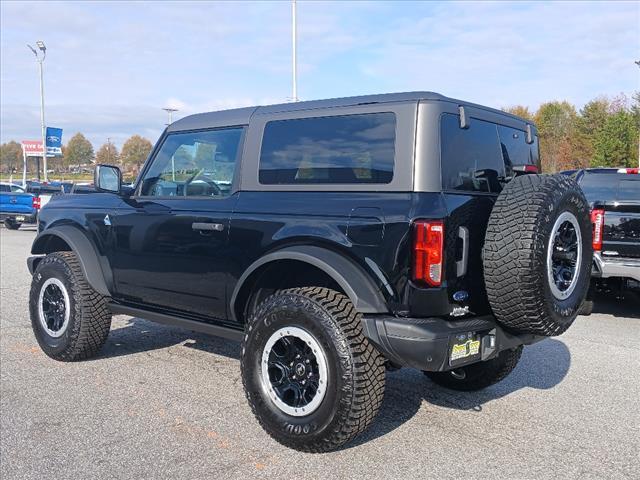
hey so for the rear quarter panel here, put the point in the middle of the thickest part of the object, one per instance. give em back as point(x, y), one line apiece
point(370, 228)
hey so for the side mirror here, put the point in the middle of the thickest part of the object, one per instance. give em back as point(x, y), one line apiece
point(107, 178)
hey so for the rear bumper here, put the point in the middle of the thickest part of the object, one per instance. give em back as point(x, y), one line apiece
point(426, 343)
point(28, 217)
point(606, 267)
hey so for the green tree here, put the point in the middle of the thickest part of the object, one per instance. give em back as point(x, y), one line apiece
point(556, 123)
point(520, 111)
point(78, 151)
point(134, 152)
point(615, 144)
point(10, 157)
point(107, 153)
point(589, 124)
point(635, 112)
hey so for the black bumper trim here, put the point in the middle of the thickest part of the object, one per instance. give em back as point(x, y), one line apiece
point(424, 343)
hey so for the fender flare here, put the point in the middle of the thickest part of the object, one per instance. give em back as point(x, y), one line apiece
point(360, 289)
point(96, 272)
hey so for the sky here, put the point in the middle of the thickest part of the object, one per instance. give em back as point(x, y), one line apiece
point(112, 66)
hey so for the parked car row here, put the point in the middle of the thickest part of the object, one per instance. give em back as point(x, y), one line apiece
point(17, 206)
point(21, 205)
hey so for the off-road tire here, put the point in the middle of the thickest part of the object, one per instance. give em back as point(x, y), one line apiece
point(89, 319)
point(479, 375)
point(11, 224)
point(356, 373)
point(515, 254)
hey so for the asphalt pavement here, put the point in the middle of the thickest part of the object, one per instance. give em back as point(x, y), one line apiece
point(160, 402)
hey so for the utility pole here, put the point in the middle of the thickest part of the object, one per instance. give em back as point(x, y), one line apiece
point(170, 111)
point(40, 60)
point(294, 35)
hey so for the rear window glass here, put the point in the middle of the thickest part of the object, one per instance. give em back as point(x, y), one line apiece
point(471, 158)
point(629, 190)
point(607, 187)
point(515, 149)
point(343, 149)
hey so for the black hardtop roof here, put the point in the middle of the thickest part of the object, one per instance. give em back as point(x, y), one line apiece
point(241, 116)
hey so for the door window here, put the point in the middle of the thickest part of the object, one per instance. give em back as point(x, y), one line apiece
point(194, 164)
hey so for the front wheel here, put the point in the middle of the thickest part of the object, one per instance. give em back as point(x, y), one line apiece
point(312, 379)
point(478, 375)
point(70, 319)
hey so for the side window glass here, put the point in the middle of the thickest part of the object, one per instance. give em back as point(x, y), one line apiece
point(515, 150)
point(5, 188)
point(194, 164)
point(344, 149)
point(471, 159)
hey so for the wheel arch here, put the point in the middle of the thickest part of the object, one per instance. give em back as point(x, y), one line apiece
point(71, 239)
point(344, 274)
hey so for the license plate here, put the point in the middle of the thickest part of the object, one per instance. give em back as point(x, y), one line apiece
point(20, 218)
point(465, 347)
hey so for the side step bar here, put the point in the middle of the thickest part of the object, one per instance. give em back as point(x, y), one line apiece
point(215, 330)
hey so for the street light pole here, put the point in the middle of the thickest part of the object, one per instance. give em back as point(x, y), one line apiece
point(41, 46)
point(170, 111)
point(294, 59)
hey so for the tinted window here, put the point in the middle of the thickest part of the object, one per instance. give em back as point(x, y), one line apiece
point(5, 188)
point(629, 190)
point(17, 189)
point(194, 164)
point(515, 149)
point(329, 150)
point(471, 158)
point(608, 187)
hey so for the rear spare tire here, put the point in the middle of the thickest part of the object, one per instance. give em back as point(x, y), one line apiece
point(537, 254)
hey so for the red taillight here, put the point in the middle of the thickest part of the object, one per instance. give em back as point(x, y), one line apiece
point(428, 239)
point(597, 223)
point(632, 171)
point(35, 202)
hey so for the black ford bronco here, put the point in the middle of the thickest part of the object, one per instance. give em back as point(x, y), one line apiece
point(335, 239)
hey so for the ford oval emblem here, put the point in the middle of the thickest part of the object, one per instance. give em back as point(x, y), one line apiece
point(461, 296)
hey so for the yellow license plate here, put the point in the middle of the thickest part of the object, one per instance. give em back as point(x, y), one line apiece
point(464, 347)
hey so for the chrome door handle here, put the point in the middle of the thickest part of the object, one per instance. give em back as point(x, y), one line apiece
point(461, 265)
point(209, 227)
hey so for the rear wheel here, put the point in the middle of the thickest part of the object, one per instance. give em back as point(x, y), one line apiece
point(11, 224)
point(312, 379)
point(479, 375)
point(70, 319)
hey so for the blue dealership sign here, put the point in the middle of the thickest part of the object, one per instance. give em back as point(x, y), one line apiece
point(54, 141)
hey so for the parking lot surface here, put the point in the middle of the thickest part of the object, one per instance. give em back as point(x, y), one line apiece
point(160, 402)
